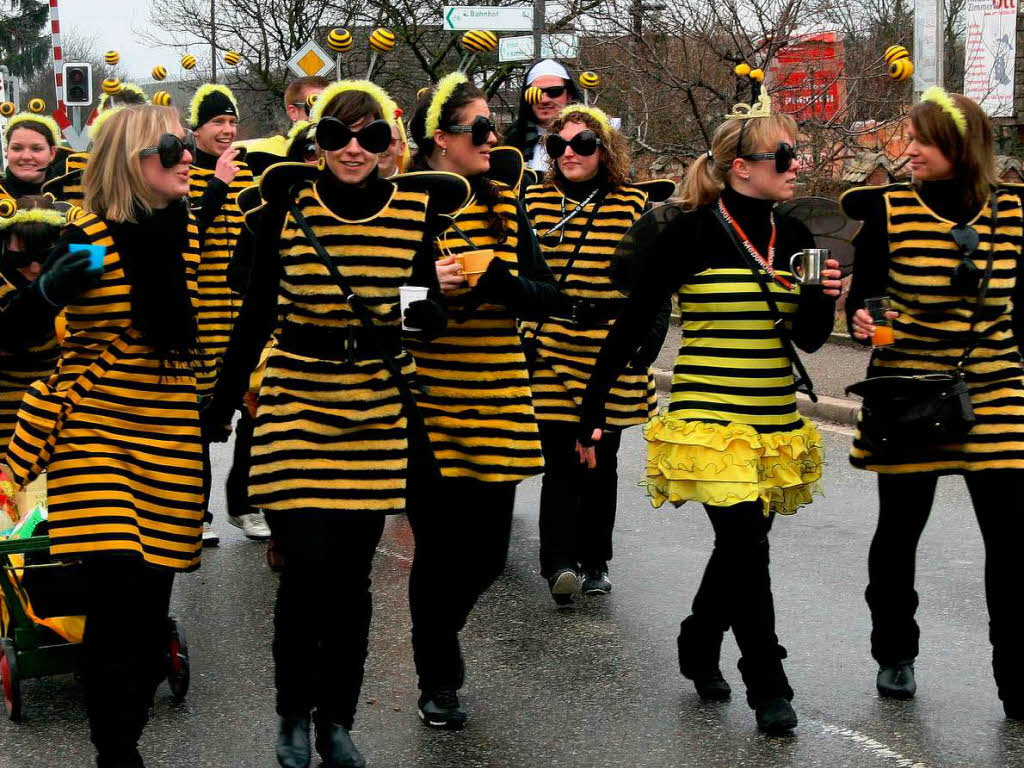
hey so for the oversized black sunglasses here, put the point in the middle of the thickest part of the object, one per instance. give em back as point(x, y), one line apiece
point(553, 91)
point(784, 155)
point(332, 134)
point(171, 148)
point(480, 129)
point(966, 275)
point(583, 143)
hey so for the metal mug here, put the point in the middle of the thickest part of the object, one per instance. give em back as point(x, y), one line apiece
point(808, 269)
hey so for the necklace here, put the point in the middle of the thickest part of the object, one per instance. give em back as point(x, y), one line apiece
point(766, 264)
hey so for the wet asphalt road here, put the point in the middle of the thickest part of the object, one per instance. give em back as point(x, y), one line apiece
point(597, 684)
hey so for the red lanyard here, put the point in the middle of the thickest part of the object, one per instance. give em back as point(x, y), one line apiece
point(766, 264)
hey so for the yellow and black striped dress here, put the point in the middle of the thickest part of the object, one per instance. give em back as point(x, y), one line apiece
point(126, 474)
point(218, 304)
point(476, 400)
point(331, 434)
point(68, 187)
point(566, 353)
point(731, 432)
point(934, 324)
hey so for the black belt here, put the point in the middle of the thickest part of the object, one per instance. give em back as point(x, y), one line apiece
point(587, 312)
point(348, 344)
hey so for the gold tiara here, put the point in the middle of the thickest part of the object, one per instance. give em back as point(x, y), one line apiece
point(760, 108)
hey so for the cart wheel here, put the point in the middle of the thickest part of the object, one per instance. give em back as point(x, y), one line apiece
point(178, 671)
point(10, 679)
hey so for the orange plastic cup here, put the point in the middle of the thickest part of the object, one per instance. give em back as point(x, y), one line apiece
point(474, 264)
point(883, 336)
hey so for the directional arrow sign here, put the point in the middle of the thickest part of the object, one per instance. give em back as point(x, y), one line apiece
point(562, 46)
point(507, 18)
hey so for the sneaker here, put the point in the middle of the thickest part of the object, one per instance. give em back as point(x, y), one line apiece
point(210, 539)
point(896, 681)
point(441, 709)
point(564, 585)
point(596, 583)
point(252, 524)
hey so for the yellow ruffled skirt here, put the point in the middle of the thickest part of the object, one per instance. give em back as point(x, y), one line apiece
point(723, 465)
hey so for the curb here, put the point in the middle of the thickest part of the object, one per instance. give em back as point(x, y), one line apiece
point(826, 409)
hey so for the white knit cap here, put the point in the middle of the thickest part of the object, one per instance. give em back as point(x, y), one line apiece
point(547, 67)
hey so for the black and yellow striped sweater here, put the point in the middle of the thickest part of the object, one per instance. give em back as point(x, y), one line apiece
point(220, 223)
point(67, 188)
point(579, 255)
point(126, 473)
point(476, 398)
point(905, 250)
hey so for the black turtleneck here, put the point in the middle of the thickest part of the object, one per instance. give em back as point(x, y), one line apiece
point(16, 188)
point(578, 191)
point(688, 245)
point(354, 201)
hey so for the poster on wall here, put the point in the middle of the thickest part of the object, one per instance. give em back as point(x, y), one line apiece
point(808, 79)
point(990, 50)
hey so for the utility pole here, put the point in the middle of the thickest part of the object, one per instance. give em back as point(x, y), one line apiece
point(538, 30)
point(213, 39)
point(929, 27)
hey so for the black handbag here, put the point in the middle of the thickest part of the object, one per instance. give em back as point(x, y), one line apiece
point(906, 416)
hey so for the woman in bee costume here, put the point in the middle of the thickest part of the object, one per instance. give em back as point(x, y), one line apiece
point(580, 212)
point(32, 142)
point(476, 398)
point(335, 433)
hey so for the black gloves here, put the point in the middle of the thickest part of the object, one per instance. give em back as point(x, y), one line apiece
point(214, 422)
point(428, 317)
point(67, 276)
point(646, 354)
point(497, 285)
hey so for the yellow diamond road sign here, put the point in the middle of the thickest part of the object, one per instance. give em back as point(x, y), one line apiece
point(311, 60)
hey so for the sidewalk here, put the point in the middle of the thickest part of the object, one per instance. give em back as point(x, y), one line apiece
point(833, 367)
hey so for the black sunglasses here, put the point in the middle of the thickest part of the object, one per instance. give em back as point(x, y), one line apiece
point(332, 134)
point(171, 148)
point(784, 155)
point(583, 143)
point(553, 91)
point(301, 105)
point(480, 129)
point(966, 275)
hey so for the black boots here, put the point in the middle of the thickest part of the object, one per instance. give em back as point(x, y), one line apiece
point(293, 748)
point(896, 681)
point(129, 759)
point(768, 691)
point(699, 651)
point(335, 746)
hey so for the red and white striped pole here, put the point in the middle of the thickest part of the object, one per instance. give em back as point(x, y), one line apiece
point(60, 114)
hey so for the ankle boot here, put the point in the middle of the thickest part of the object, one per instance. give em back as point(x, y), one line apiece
point(126, 759)
point(335, 746)
point(896, 681)
point(768, 691)
point(699, 652)
point(293, 749)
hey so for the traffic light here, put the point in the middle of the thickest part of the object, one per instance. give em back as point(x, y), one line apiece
point(78, 85)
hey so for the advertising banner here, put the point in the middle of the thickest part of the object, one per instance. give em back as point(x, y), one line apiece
point(990, 50)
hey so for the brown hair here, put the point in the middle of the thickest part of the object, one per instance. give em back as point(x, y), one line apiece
point(614, 151)
point(32, 125)
point(707, 175)
point(972, 155)
point(352, 106)
point(295, 88)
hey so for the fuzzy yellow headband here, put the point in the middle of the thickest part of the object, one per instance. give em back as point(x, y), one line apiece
point(592, 112)
point(31, 117)
point(105, 99)
point(386, 103)
point(938, 96)
point(200, 95)
point(101, 118)
point(445, 88)
point(41, 215)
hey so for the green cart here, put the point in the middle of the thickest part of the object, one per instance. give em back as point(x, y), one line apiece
point(30, 649)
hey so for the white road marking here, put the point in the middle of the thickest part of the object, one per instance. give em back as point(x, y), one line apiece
point(831, 426)
point(396, 555)
point(869, 745)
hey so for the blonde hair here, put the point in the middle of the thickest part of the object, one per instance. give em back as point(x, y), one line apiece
point(707, 175)
point(113, 182)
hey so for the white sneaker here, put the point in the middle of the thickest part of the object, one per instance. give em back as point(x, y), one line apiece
point(253, 525)
point(210, 539)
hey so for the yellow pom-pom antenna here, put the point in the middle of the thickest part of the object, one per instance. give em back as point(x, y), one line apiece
point(895, 53)
point(37, 106)
point(742, 69)
point(188, 61)
point(111, 86)
point(533, 95)
point(479, 41)
point(901, 69)
point(113, 58)
point(8, 207)
point(311, 100)
point(339, 40)
point(162, 99)
point(159, 73)
point(7, 109)
point(422, 92)
point(232, 58)
point(382, 40)
point(590, 80)
point(757, 74)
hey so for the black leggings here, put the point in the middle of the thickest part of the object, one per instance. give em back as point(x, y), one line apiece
point(905, 502)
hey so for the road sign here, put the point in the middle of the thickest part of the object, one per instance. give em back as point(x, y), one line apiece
point(508, 18)
point(311, 60)
point(564, 46)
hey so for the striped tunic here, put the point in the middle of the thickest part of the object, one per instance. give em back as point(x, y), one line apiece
point(476, 400)
point(331, 434)
point(218, 304)
point(732, 432)
point(566, 353)
point(934, 324)
point(68, 188)
point(126, 474)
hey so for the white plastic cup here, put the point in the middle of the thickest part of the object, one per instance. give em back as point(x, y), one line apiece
point(407, 294)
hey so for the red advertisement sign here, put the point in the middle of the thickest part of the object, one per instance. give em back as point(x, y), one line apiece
point(807, 77)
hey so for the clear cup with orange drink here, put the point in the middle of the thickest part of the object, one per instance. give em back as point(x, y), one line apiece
point(877, 307)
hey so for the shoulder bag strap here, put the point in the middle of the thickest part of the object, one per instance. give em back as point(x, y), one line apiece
point(984, 283)
point(358, 308)
point(803, 379)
